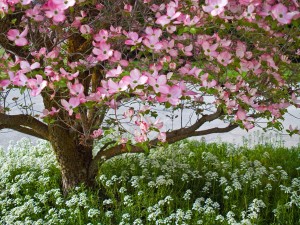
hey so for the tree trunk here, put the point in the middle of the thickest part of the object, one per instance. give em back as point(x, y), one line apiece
point(74, 159)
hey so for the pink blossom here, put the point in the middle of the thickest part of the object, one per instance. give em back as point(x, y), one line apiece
point(3, 7)
point(172, 97)
point(144, 126)
point(77, 21)
point(99, 6)
point(169, 46)
point(64, 4)
point(53, 111)
point(26, 67)
point(153, 43)
point(69, 76)
point(265, 10)
point(117, 57)
point(153, 32)
point(250, 66)
point(85, 29)
point(116, 31)
point(114, 72)
point(128, 113)
point(103, 89)
point(296, 3)
point(215, 7)
point(40, 53)
point(128, 8)
point(248, 2)
point(281, 14)
point(19, 80)
point(97, 133)
point(101, 36)
point(240, 49)
point(103, 52)
point(134, 39)
point(140, 137)
point(248, 124)
point(37, 85)
point(95, 96)
point(76, 89)
point(171, 29)
point(159, 85)
point(135, 78)
point(114, 87)
point(162, 136)
point(113, 104)
point(53, 54)
point(172, 66)
point(187, 50)
point(34, 13)
point(269, 59)
point(71, 104)
point(188, 22)
point(171, 15)
point(185, 91)
point(206, 83)
point(195, 71)
point(249, 14)
point(25, 2)
point(4, 83)
point(158, 124)
point(241, 114)
point(224, 58)
point(56, 14)
point(19, 39)
point(210, 50)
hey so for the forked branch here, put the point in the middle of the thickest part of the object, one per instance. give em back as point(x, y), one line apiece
point(171, 137)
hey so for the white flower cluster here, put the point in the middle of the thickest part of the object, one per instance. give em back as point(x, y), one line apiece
point(173, 185)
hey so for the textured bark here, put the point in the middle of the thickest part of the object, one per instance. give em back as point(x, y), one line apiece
point(74, 159)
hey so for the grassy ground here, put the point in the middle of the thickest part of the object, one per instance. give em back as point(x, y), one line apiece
point(185, 183)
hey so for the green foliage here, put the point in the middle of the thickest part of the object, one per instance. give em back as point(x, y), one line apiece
point(189, 182)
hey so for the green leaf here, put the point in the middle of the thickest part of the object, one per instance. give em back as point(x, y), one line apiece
point(22, 90)
point(193, 30)
point(89, 104)
point(61, 83)
point(13, 21)
point(128, 146)
point(133, 48)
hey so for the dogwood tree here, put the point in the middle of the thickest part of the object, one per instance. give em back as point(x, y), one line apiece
point(107, 70)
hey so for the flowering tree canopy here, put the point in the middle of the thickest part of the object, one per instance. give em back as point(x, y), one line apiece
point(109, 67)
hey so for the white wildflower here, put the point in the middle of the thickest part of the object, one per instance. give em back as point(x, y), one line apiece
point(107, 201)
point(93, 212)
point(187, 195)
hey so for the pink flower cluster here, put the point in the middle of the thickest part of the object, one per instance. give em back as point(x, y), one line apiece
point(179, 55)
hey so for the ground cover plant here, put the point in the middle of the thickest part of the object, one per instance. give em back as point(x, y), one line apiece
point(190, 182)
point(126, 67)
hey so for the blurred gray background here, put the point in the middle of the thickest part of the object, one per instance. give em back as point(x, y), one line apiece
point(236, 136)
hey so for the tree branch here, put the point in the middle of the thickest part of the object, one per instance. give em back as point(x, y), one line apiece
point(171, 137)
point(24, 124)
point(214, 130)
point(110, 153)
point(24, 130)
point(195, 126)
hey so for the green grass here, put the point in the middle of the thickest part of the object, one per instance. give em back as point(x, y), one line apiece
point(189, 182)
